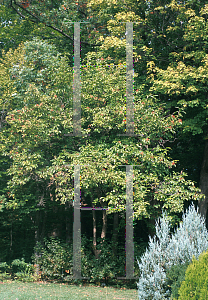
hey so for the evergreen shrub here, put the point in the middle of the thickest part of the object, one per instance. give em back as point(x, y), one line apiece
point(166, 249)
point(195, 285)
point(175, 276)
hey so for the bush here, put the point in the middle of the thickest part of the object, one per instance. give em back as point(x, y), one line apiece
point(20, 266)
point(195, 285)
point(102, 269)
point(18, 270)
point(4, 267)
point(55, 259)
point(175, 276)
point(166, 250)
point(4, 271)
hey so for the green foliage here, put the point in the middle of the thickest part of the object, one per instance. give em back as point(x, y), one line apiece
point(4, 267)
point(34, 138)
point(54, 260)
point(18, 270)
point(175, 276)
point(166, 249)
point(196, 279)
point(170, 102)
point(20, 266)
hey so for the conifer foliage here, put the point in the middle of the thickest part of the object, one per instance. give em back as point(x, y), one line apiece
point(166, 249)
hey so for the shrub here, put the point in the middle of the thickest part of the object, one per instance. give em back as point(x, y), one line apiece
point(175, 276)
point(195, 285)
point(4, 267)
point(4, 271)
point(165, 250)
point(22, 271)
point(18, 270)
point(20, 266)
point(55, 259)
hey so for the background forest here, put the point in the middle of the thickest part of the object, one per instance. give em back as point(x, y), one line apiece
point(37, 154)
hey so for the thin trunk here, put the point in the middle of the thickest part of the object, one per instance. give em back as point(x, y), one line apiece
point(37, 225)
point(67, 222)
point(115, 233)
point(203, 184)
point(11, 236)
point(42, 229)
point(39, 234)
point(104, 228)
point(94, 234)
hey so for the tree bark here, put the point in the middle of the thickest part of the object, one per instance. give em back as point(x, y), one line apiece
point(115, 233)
point(67, 220)
point(94, 234)
point(104, 228)
point(203, 184)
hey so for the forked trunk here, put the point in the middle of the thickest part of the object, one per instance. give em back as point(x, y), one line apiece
point(103, 232)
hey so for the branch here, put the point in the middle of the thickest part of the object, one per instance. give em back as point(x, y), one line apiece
point(38, 20)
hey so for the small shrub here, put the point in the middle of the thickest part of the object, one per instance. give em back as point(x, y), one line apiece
point(4, 271)
point(175, 275)
point(195, 285)
point(4, 267)
point(18, 270)
point(165, 250)
point(55, 259)
point(20, 266)
point(22, 271)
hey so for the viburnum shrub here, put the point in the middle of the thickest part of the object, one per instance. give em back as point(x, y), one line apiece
point(195, 285)
point(166, 249)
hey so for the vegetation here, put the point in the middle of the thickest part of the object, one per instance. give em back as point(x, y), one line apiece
point(169, 150)
point(166, 250)
point(14, 290)
point(195, 283)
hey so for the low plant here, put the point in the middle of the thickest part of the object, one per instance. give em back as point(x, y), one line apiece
point(17, 270)
point(166, 249)
point(174, 277)
point(195, 285)
point(54, 259)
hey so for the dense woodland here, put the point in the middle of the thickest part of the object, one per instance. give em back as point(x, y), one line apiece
point(169, 150)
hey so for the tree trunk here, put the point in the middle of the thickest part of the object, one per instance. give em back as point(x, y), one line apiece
point(104, 229)
point(94, 234)
point(67, 220)
point(203, 184)
point(39, 234)
point(115, 233)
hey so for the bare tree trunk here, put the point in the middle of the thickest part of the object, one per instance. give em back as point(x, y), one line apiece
point(94, 234)
point(115, 233)
point(39, 234)
point(104, 227)
point(203, 184)
point(103, 232)
point(67, 220)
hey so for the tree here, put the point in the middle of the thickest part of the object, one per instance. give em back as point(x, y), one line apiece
point(43, 157)
point(185, 82)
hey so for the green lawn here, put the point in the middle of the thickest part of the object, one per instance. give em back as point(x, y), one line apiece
point(54, 291)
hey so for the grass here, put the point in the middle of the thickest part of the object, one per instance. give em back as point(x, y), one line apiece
point(14, 290)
